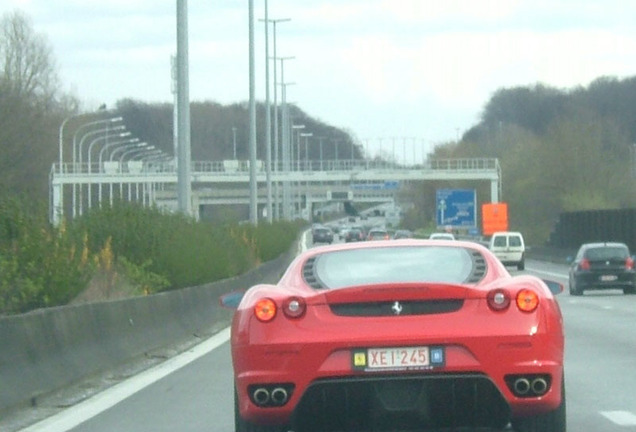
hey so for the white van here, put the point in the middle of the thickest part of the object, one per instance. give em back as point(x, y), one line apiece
point(509, 248)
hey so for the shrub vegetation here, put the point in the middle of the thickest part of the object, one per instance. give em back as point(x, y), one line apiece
point(43, 266)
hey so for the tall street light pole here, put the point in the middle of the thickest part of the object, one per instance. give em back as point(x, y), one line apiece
point(321, 139)
point(60, 210)
point(90, 163)
point(297, 128)
point(234, 141)
point(268, 123)
point(78, 196)
point(285, 140)
point(252, 113)
point(90, 125)
point(183, 111)
point(306, 135)
point(101, 169)
point(276, 159)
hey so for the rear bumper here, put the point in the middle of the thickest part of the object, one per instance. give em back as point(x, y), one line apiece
point(400, 402)
point(594, 280)
point(324, 385)
point(510, 258)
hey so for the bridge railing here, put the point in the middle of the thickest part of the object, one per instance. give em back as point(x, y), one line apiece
point(242, 166)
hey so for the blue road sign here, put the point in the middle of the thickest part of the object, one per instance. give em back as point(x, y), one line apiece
point(387, 185)
point(456, 208)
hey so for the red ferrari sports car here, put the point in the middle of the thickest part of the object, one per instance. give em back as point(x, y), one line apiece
point(394, 335)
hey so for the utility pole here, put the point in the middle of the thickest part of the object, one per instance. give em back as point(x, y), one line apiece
point(253, 191)
point(277, 164)
point(234, 141)
point(268, 123)
point(183, 110)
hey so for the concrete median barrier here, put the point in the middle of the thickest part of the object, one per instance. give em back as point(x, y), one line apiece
point(50, 349)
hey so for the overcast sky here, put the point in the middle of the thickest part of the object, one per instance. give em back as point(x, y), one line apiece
point(380, 68)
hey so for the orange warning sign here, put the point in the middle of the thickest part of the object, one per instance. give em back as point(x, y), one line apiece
point(494, 217)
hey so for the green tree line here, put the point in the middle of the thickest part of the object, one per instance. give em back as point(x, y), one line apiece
point(560, 150)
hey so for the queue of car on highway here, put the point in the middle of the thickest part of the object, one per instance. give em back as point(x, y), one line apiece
point(352, 229)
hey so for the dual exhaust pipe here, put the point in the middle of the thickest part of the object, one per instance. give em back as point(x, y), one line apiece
point(270, 395)
point(530, 386)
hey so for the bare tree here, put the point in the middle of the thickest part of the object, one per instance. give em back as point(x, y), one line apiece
point(27, 67)
point(30, 106)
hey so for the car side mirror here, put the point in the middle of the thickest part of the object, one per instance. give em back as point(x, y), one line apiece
point(232, 299)
point(569, 259)
point(554, 287)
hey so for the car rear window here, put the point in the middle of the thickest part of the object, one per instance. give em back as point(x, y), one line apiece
point(499, 241)
point(607, 252)
point(514, 241)
point(345, 268)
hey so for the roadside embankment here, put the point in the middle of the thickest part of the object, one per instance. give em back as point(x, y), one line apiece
point(50, 349)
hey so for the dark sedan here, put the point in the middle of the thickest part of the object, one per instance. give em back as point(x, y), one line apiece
point(602, 266)
point(354, 235)
point(322, 235)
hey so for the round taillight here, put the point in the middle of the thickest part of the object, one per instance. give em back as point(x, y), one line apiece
point(527, 300)
point(498, 299)
point(294, 307)
point(265, 310)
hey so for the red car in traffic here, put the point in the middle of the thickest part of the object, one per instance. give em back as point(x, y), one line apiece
point(424, 334)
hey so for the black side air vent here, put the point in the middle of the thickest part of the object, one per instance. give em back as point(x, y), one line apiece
point(479, 268)
point(310, 275)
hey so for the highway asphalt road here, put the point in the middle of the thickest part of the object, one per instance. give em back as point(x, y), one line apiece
point(193, 392)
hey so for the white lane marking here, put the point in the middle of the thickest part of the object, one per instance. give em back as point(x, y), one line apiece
point(559, 275)
point(621, 418)
point(74, 416)
point(302, 246)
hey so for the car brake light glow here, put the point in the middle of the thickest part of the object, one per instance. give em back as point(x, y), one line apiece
point(294, 307)
point(265, 310)
point(629, 263)
point(498, 300)
point(584, 264)
point(527, 300)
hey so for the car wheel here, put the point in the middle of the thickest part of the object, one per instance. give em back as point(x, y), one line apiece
point(521, 265)
point(629, 290)
point(574, 290)
point(242, 425)
point(553, 421)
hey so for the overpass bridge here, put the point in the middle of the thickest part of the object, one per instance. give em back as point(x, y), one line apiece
point(77, 187)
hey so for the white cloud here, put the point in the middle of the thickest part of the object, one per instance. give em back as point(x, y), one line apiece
point(427, 66)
